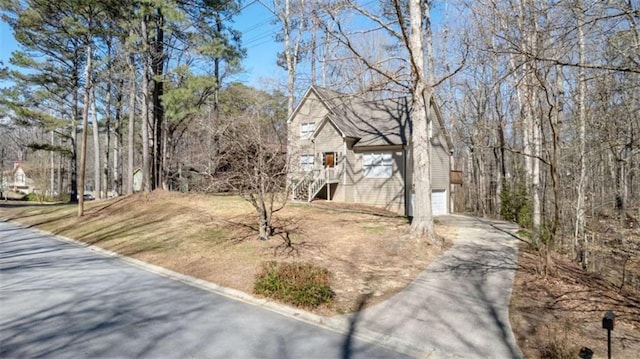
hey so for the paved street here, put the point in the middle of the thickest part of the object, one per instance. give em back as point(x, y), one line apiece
point(58, 300)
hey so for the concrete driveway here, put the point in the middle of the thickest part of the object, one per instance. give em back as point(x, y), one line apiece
point(459, 306)
point(58, 300)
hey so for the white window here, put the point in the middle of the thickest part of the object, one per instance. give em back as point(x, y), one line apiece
point(306, 129)
point(306, 163)
point(377, 165)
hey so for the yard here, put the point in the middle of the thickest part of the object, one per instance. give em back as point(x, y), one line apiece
point(212, 237)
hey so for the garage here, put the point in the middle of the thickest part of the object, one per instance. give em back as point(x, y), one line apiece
point(439, 202)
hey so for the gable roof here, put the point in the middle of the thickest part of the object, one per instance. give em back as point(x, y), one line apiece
point(373, 123)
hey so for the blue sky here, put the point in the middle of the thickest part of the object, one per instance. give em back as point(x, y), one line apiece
point(255, 22)
point(258, 33)
point(7, 43)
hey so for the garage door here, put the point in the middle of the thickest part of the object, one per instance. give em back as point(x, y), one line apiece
point(439, 202)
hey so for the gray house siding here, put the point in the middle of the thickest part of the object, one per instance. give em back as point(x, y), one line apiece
point(439, 168)
point(328, 139)
point(381, 192)
point(311, 110)
point(349, 176)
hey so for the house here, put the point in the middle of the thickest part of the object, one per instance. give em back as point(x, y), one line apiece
point(346, 149)
point(137, 180)
point(16, 180)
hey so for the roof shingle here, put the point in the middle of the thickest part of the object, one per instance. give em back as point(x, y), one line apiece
point(374, 123)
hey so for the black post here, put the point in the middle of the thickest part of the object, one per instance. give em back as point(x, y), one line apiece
point(608, 322)
point(609, 343)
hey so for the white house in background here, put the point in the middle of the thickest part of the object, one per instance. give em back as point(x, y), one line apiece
point(16, 180)
point(137, 180)
point(347, 149)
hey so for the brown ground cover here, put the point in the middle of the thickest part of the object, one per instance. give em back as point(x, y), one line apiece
point(555, 317)
point(213, 238)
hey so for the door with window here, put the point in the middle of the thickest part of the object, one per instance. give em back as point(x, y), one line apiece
point(329, 163)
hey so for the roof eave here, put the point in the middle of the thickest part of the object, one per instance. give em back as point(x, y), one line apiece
point(297, 109)
point(447, 135)
point(326, 119)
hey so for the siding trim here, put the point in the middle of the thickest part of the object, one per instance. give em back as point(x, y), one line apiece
point(385, 148)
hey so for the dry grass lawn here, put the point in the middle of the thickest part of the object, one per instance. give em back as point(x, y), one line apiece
point(213, 238)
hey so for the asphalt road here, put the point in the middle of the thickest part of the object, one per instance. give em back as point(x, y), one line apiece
point(59, 300)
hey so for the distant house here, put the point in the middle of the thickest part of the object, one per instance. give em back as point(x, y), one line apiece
point(16, 180)
point(347, 149)
point(137, 180)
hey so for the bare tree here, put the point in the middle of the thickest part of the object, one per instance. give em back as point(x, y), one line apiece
point(582, 119)
point(254, 154)
point(422, 224)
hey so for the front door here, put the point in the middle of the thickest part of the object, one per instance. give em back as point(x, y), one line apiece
point(329, 160)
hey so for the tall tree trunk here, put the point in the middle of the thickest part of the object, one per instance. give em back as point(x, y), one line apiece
point(325, 59)
point(52, 170)
point(500, 154)
point(291, 65)
point(526, 108)
point(107, 173)
point(555, 120)
point(73, 160)
point(290, 52)
point(216, 73)
point(422, 223)
point(144, 120)
point(533, 138)
point(536, 185)
point(117, 144)
point(97, 175)
point(313, 43)
point(85, 124)
point(158, 107)
point(60, 181)
point(107, 180)
point(582, 121)
point(131, 124)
